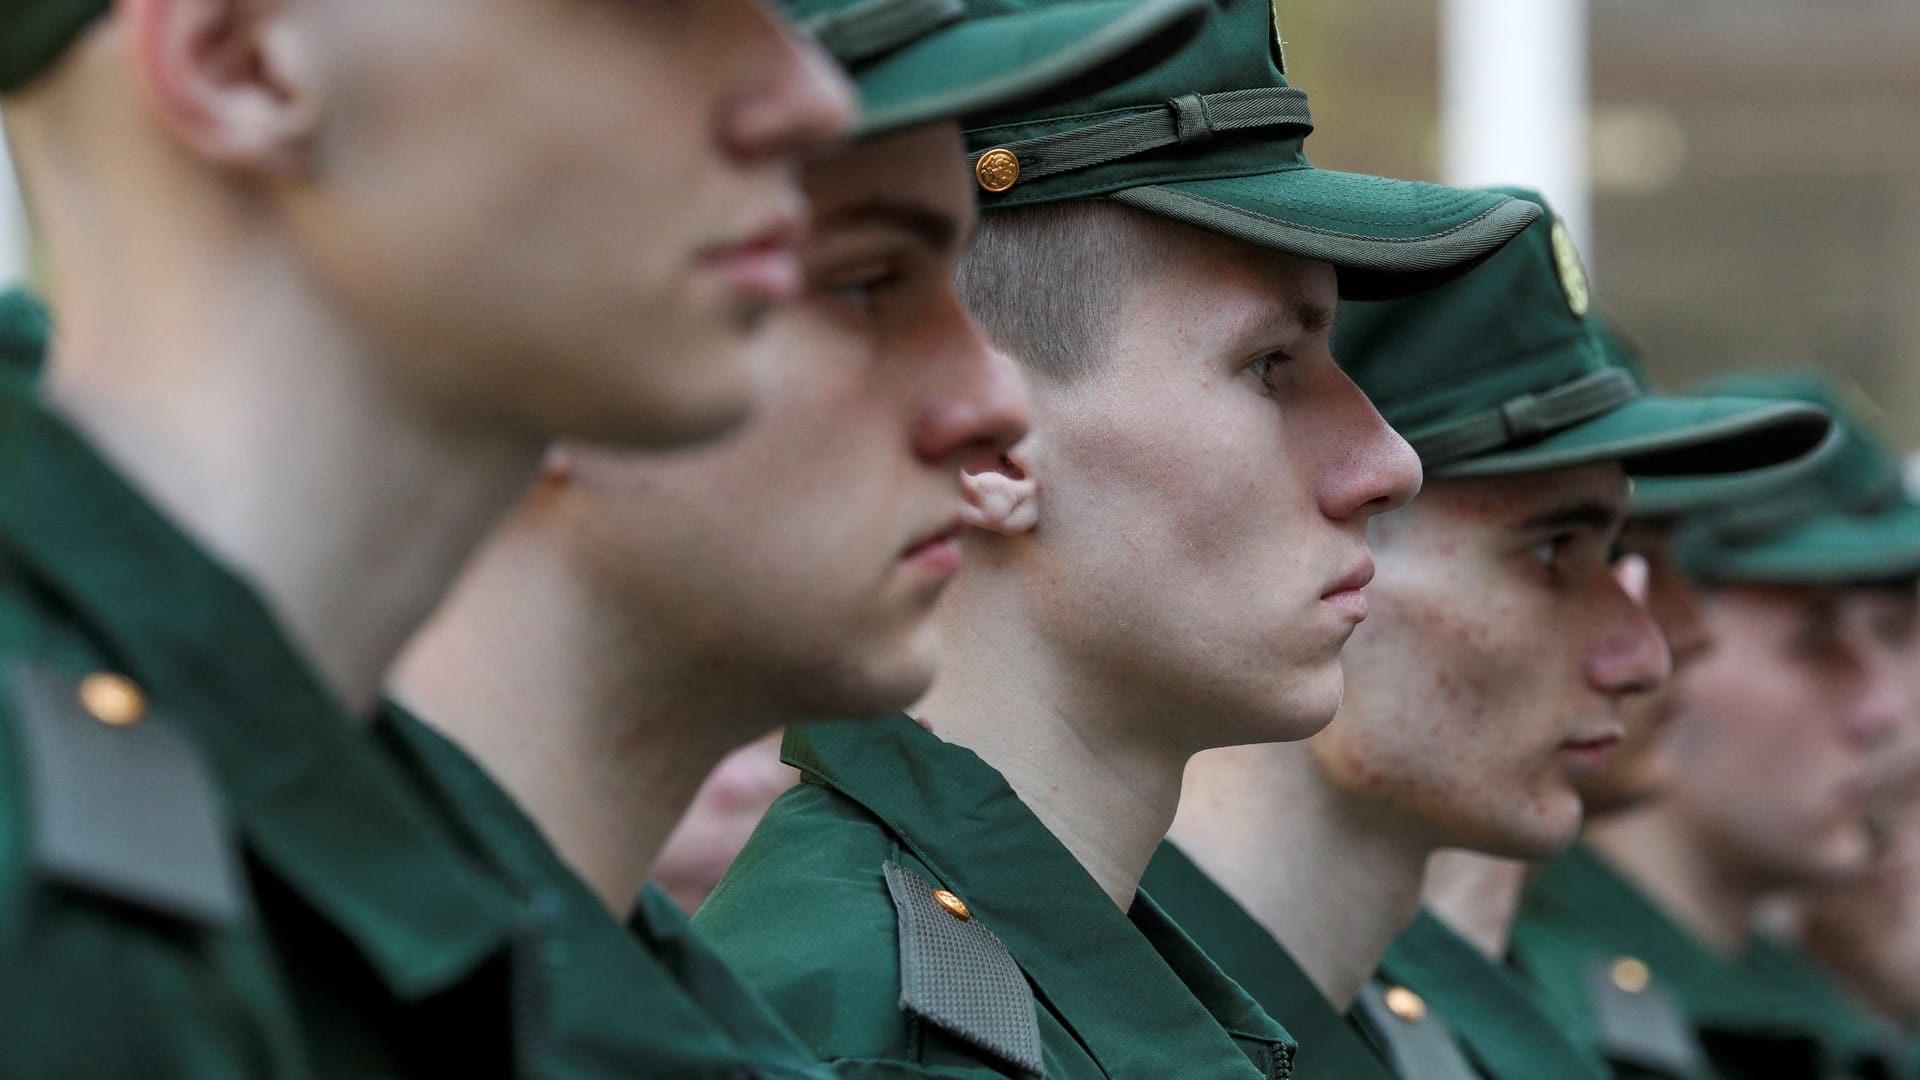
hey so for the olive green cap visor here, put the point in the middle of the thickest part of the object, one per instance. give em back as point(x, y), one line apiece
point(34, 34)
point(1658, 436)
point(1214, 138)
point(1846, 520)
point(919, 61)
point(1680, 496)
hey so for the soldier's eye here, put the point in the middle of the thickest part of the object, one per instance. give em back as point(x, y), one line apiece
point(1266, 366)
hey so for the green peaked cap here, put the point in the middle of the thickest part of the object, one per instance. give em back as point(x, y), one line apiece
point(1506, 371)
point(1213, 138)
point(917, 61)
point(35, 33)
point(1848, 519)
point(1670, 497)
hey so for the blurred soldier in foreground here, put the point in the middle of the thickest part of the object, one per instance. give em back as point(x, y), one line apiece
point(1644, 937)
point(330, 275)
point(1488, 675)
point(641, 616)
point(1172, 560)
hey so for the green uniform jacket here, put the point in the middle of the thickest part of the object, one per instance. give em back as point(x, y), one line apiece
point(910, 917)
point(1330, 1047)
point(1656, 1001)
point(205, 871)
point(645, 1000)
point(1501, 1027)
point(23, 336)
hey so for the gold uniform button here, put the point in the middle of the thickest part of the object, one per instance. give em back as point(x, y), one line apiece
point(113, 699)
point(955, 906)
point(1406, 1005)
point(1631, 974)
point(997, 170)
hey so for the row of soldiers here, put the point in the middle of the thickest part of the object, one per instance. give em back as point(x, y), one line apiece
point(461, 424)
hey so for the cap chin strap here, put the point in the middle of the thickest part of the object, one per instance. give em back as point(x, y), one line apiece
point(1527, 416)
point(869, 29)
point(1181, 121)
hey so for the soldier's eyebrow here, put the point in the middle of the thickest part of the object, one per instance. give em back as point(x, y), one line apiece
point(927, 226)
point(1312, 316)
point(1593, 514)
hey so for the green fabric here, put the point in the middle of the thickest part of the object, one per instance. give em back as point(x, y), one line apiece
point(24, 332)
point(649, 999)
point(918, 61)
point(1505, 371)
point(1495, 1015)
point(34, 34)
point(1330, 1048)
point(1846, 520)
point(1578, 911)
point(371, 923)
point(1249, 183)
point(804, 915)
point(1854, 1042)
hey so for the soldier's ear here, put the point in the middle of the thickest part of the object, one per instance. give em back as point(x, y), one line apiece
point(227, 78)
point(1001, 492)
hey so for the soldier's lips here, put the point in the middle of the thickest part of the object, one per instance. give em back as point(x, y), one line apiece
point(1346, 596)
point(763, 266)
point(936, 554)
point(1590, 751)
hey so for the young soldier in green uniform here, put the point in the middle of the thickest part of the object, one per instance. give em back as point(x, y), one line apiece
point(1646, 933)
point(1476, 896)
point(1489, 671)
point(314, 338)
point(641, 616)
point(1170, 561)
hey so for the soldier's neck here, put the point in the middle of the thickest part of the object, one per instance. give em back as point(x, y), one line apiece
point(1477, 896)
point(1679, 870)
point(1099, 777)
point(549, 683)
point(248, 413)
point(1331, 878)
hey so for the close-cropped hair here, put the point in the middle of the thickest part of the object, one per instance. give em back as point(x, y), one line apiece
point(1048, 282)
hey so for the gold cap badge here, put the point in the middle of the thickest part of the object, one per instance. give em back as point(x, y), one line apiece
point(1573, 273)
point(997, 170)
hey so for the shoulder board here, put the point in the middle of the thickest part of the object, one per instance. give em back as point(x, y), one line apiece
point(119, 802)
point(1638, 1022)
point(958, 976)
point(1418, 1044)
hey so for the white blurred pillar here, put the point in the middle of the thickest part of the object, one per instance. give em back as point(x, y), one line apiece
point(13, 223)
point(1514, 100)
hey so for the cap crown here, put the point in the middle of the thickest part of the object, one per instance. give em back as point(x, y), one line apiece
point(1510, 349)
point(1175, 109)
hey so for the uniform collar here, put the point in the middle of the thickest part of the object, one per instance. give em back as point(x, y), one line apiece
point(1132, 987)
point(650, 989)
point(1494, 1016)
point(317, 805)
point(1255, 959)
point(1581, 894)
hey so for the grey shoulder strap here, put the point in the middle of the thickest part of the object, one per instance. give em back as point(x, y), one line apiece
point(1418, 1045)
point(128, 810)
point(1638, 1023)
point(959, 977)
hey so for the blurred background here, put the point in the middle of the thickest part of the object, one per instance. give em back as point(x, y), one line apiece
point(1744, 175)
point(1751, 167)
